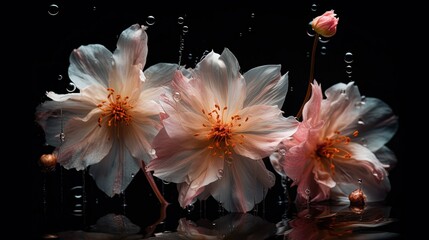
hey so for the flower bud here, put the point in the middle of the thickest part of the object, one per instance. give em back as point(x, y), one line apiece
point(326, 24)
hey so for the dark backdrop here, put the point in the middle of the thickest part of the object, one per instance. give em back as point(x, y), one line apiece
point(260, 33)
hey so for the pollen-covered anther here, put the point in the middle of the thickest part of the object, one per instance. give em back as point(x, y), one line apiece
point(115, 109)
point(333, 147)
point(221, 131)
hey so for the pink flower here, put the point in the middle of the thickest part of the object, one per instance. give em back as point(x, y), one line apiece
point(219, 126)
point(340, 140)
point(326, 24)
point(110, 123)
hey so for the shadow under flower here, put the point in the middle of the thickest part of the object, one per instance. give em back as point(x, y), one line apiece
point(325, 221)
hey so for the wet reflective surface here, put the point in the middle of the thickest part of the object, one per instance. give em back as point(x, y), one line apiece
point(84, 212)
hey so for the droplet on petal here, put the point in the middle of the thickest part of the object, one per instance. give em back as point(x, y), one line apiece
point(361, 122)
point(282, 151)
point(177, 97)
point(220, 174)
point(141, 76)
point(152, 152)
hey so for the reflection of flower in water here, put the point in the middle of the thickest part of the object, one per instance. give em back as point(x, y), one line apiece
point(231, 226)
point(110, 226)
point(339, 222)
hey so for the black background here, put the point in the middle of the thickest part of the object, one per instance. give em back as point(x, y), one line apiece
point(278, 35)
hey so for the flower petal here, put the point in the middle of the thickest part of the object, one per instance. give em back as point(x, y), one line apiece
point(90, 65)
point(263, 131)
point(244, 184)
point(131, 50)
point(115, 171)
point(266, 85)
point(311, 111)
point(159, 75)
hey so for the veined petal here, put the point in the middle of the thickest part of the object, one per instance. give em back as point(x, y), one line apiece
point(115, 171)
point(218, 72)
point(90, 65)
point(244, 184)
point(85, 142)
point(188, 194)
point(266, 85)
point(311, 111)
point(376, 124)
point(159, 75)
point(131, 49)
point(263, 131)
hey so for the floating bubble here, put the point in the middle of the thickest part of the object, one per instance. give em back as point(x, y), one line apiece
point(53, 9)
point(349, 69)
point(60, 77)
point(185, 29)
point(323, 50)
point(313, 7)
point(323, 39)
point(72, 89)
point(150, 20)
point(252, 15)
point(180, 20)
point(348, 57)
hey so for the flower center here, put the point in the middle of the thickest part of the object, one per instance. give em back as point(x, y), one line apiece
point(221, 131)
point(332, 148)
point(114, 109)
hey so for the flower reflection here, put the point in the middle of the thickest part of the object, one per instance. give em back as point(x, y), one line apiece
point(338, 222)
point(231, 226)
point(110, 226)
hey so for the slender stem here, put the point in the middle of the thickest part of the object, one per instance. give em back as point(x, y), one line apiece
point(162, 215)
point(154, 187)
point(308, 94)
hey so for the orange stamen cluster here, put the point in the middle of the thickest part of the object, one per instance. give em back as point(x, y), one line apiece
point(331, 148)
point(115, 109)
point(221, 131)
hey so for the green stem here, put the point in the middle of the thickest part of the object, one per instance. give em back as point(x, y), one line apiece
point(308, 94)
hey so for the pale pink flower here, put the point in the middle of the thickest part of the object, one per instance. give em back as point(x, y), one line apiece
point(340, 140)
point(325, 24)
point(110, 123)
point(218, 127)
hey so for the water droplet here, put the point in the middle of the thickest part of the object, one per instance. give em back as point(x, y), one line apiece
point(220, 173)
point(150, 20)
point(94, 8)
point(250, 29)
point(343, 91)
point(177, 97)
point(310, 31)
point(190, 56)
point(361, 122)
point(72, 89)
point(165, 182)
point(348, 57)
point(62, 137)
point(180, 20)
point(291, 89)
point(241, 34)
point(323, 50)
point(60, 77)
point(53, 9)
point(360, 181)
point(190, 208)
point(307, 191)
point(185, 29)
point(364, 142)
point(132, 175)
point(282, 151)
point(363, 99)
point(323, 39)
point(348, 69)
point(252, 15)
point(313, 7)
point(152, 152)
